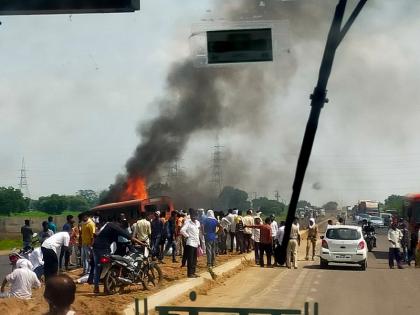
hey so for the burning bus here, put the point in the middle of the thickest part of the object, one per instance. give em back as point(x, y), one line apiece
point(132, 208)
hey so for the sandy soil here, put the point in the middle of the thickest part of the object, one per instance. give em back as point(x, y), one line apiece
point(88, 303)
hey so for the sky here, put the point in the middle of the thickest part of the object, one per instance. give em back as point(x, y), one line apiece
point(74, 90)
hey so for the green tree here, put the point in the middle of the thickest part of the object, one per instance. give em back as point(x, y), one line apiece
point(12, 200)
point(394, 202)
point(77, 203)
point(54, 204)
point(330, 206)
point(268, 206)
point(231, 197)
point(91, 197)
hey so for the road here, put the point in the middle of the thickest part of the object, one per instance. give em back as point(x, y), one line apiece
point(5, 267)
point(339, 290)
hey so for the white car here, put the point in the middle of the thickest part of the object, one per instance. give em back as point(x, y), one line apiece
point(343, 244)
point(376, 221)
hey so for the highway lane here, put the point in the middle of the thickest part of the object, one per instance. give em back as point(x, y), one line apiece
point(339, 290)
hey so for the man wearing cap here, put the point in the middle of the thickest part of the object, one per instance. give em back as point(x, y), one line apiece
point(157, 233)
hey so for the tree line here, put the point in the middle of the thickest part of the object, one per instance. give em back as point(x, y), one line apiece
point(13, 201)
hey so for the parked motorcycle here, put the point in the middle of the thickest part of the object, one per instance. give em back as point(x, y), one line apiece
point(136, 267)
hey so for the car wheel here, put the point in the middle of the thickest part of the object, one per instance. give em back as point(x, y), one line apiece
point(363, 266)
point(323, 264)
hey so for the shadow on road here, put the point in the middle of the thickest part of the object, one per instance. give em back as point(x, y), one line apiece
point(335, 267)
point(380, 254)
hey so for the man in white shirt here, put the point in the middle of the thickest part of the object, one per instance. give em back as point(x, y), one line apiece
point(35, 257)
point(50, 249)
point(394, 237)
point(274, 229)
point(248, 220)
point(22, 280)
point(232, 227)
point(191, 231)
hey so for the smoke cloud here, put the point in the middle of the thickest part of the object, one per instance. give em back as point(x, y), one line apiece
point(251, 99)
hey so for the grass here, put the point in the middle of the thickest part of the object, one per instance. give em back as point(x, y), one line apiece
point(40, 214)
point(10, 244)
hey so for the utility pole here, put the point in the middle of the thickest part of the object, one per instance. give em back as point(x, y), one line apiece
point(318, 99)
point(174, 172)
point(23, 181)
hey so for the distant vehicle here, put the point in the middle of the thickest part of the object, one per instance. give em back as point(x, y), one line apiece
point(343, 244)
point(387, 217)
point(362, 216)
point(322, 212)
point(368, 206)
point(376, 221)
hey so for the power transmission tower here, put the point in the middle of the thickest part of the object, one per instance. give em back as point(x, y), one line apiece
point(277, 195)
point(174, 172)
point(23, 181)
point(217, 169)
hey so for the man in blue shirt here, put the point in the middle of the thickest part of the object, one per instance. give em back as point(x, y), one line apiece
point(210, 225)
point(51, 225)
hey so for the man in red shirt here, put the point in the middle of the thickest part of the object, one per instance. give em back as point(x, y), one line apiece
point(265, 241)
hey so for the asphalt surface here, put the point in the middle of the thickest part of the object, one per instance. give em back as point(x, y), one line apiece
point(5, 267)
point(339, 290)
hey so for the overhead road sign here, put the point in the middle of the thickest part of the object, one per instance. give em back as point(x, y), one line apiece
point(33, 7)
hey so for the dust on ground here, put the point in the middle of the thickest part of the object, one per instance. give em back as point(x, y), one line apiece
point(88, 303)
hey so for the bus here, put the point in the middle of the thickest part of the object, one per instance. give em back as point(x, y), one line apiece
point(132, 208)
point(411, 211)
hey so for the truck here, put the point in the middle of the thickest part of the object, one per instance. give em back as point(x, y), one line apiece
point(368, 207)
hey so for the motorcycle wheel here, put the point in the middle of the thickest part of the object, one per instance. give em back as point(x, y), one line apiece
point(369, 246)
point(111, 281)
point(153, 277)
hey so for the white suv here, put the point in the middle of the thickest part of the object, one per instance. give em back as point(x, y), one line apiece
point(343, 244)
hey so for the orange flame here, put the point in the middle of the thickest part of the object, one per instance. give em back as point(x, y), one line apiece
point(135, 189)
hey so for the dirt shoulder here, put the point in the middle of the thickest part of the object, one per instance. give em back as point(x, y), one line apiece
point(88, 303)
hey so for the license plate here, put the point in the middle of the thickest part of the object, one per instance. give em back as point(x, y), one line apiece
point(342, 256)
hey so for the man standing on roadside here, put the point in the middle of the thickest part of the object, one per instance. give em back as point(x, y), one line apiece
point(210, 225)
point(27, 233)
point(312, 238)
point(256, 237)
point(191, 231)
point(51, 224)
point(279, 241)
point(292, 247)
point(86, 233)
point(142, 229)
point(248, 220)
point(157, 234)
point(232, 226)
point(274, 229)
point(67, 227)
point(266, 241)
point(170, 228)
point(394, 237)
